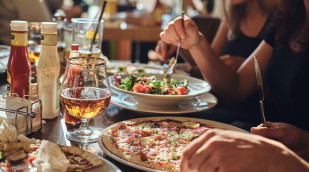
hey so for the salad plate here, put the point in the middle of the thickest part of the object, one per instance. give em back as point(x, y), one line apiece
point(190, 105)
point(196, 87)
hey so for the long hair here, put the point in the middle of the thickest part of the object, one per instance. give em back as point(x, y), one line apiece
point(233, 14)
point(289, 22)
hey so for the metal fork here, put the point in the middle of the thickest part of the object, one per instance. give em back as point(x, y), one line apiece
point(170, 70)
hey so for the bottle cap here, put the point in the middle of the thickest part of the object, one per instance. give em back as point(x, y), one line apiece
point(18, 25)
point(74, 47)
point(48, 27)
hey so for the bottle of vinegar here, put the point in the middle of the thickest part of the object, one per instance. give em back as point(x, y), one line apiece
point(48, 71)
point(18, 73)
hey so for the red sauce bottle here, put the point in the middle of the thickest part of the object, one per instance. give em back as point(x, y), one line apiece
point(18, 69)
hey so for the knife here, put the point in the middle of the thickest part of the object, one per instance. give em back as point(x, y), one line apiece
point(260, 90)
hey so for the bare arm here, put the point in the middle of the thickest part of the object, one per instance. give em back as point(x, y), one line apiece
point(233, 86)
point(220, 38)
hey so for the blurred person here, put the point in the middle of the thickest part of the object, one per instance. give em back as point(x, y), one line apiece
point(224, 150)
point(242, 28)
point(282, 56)
point(79, 6)
point(30, 10)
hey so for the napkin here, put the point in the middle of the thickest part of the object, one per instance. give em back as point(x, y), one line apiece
point(50, 158)
point(8, 133)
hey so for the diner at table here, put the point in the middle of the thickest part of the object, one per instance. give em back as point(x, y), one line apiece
point(109, 85)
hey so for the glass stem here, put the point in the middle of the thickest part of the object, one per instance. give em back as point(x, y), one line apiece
point(84, 128)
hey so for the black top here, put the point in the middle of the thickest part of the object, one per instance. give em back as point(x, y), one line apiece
point(288, 79)
point(242, 45)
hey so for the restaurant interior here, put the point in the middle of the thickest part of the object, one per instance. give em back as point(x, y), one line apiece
point(116, 85)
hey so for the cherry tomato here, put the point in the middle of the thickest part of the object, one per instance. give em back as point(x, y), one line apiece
point(144, 79)
point(139, 88)
point(170, 91)
point(182, 91)
point(31, 158)
point(148, 88)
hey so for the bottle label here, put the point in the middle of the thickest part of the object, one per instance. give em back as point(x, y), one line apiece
point(19, 39)
point(9, 82)
point(49, 39)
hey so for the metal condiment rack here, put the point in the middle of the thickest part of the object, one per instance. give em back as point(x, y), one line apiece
point(30, 114)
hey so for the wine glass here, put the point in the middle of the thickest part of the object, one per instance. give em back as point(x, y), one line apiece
point(85, 93)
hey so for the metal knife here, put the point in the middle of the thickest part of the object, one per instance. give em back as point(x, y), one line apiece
point(260, 89)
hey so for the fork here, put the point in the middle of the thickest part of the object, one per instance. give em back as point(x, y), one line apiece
point(170, 70)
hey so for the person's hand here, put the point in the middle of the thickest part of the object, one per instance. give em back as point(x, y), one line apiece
point(164, 51)
point(232, 61)
point(291, 136)
point(72, 12)
point(189, 34)
point(223, 150)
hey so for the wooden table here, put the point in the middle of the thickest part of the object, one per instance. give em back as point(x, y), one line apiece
point(132, 32)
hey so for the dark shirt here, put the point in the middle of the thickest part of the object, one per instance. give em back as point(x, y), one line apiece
point(242, 45)
point(288, 79)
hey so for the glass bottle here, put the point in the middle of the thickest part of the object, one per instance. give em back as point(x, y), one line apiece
point(60, 19)
point(19, 67)
point(72, 122)
point(48, 71)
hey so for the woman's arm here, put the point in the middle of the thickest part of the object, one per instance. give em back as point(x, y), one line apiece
point(220, 38)
point(234, 86)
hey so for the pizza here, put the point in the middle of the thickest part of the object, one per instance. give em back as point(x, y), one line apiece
point(20, 157)
point(156, 144)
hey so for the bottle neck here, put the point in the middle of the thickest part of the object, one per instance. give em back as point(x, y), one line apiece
point(49, 39)
point(19, 38)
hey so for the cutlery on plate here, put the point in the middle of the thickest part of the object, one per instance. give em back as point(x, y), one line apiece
point(260, 89)
point(170, 70)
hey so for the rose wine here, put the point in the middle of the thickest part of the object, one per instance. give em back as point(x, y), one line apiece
point(85, 102)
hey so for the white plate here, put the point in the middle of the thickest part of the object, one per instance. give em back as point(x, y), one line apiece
point(106, 167)
point(200, 103)
point(196, 87)
point(203, 121)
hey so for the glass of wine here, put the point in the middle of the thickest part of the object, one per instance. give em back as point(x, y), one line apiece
point(85, 93)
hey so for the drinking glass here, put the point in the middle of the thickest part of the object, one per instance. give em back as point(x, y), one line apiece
point(85, 93)
point(83, 32)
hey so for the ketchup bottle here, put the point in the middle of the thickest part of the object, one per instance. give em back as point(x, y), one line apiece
point(19, 67)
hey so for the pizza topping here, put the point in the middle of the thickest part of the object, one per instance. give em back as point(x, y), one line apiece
point(122, 126)
point(189, 124)
point(147, 141)
point(146, 132)
point(143, 156)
